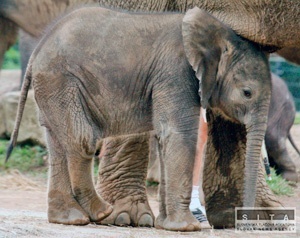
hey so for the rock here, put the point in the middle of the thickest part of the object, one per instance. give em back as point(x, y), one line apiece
point(30, 130)
point(9, 80)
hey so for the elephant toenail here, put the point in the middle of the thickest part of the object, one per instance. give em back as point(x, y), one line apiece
point(146, 220)
point(123, 219)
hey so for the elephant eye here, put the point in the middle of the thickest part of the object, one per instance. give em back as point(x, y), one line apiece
point(247, 93)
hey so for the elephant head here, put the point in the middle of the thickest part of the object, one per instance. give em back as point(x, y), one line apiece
point(235, 88)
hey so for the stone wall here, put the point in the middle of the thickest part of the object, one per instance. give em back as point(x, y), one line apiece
point(30, 130)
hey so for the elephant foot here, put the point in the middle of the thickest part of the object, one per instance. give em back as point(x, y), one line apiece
point(124, 219)
point(129, 213)
point(146, 220)
point(222, 219)
point(290, 176)
point(179, 221)
point(97, 208)
point(64, 209)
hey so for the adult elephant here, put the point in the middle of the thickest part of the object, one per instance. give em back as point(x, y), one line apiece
point(273, 23)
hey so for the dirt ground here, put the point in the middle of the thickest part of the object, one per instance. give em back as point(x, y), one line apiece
point(23, 205)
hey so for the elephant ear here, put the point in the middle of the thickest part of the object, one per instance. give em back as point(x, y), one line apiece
point(204, 41)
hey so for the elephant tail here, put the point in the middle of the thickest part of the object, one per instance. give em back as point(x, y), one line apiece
point(22, 101)
point(293, 143)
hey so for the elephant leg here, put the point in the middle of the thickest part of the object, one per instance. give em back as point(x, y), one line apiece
point(121, 180)
point(280, 159)
point(62, 206)
point(77, 138)
point(153, 174)
point(264, 196)
point(83, 188)
point(161, 192)
point(27, 43)
point(9, 34)
point(224, 174)
point(176, 119)
point(285, 166)
point(176, 182)
point(224, 193)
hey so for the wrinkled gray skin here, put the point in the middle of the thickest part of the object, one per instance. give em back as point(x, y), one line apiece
point(121, 180)
point(267, 22)
point(88, 87)
point(280, 120)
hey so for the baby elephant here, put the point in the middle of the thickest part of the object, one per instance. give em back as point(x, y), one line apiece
point(101, 74)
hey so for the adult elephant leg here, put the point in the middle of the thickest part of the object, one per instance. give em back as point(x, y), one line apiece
point(121, 179)
point(224, 177)
point(153, 174)
point(223, 173)
point(264, 196)
point(8, 36)
point(27, 43)
point(62, 206)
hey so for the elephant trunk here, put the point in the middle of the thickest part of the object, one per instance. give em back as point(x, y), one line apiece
point(255, 135)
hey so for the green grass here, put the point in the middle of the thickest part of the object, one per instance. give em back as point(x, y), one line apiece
point(27, 159)
point(280, 186)
point(297, 119)
point(12, 58)
point(151, 184)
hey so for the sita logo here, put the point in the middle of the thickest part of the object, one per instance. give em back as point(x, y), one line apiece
point(271, 216)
